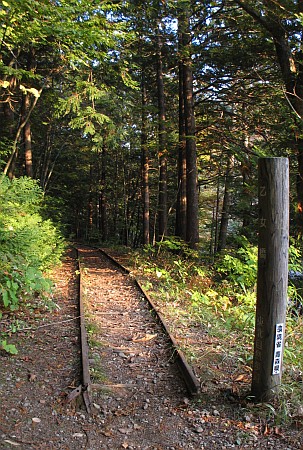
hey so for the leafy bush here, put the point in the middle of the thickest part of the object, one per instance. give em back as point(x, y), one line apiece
point(171, 244)
point(29, 245)
point(240, 269)
point(191, 294)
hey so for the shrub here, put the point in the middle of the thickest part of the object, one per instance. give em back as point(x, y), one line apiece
point(29, 245)
point(240, 269)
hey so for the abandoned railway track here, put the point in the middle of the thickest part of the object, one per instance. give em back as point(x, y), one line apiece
point(133, 383)
point(129, 305)
point(133, 393)
point(131, 352)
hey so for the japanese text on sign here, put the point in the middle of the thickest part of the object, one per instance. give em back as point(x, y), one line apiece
point(278, 349)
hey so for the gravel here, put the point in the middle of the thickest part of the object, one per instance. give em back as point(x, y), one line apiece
point(139, 401)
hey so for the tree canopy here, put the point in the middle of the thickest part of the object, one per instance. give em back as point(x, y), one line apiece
point(146, 119)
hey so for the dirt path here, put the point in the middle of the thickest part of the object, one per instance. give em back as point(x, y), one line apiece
point(139, 401)
point(140, 389)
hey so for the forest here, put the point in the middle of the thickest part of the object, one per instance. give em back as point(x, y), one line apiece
point(140, 124)
point(146, 119)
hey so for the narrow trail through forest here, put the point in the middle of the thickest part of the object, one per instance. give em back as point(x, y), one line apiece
point(134, 356)
point(139, 400)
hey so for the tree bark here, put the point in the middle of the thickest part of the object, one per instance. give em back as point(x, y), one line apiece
point(27, 136)
point(90, 205)
point(225, 207)
point(272, 277)
point(145, 165)
point(181, 208)
point(192, 212)
point(162, 214)
point(24, 128)
point(102, 196)
point(26, 103)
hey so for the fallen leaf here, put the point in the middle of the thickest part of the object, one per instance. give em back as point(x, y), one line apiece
point(125, 445)
point(15, 444)
point(277, 431)
point(107, 433)
point(242, 377)
point(78, 435)
point(147, 337)
point(36, 420)
point(32, 377)
point(125, 430)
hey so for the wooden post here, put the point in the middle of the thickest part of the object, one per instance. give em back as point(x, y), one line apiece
point(272, 277)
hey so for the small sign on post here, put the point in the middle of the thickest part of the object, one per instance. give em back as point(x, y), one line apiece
point(272, 277)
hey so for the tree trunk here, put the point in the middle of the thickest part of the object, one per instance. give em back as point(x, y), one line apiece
point(116, 225)
point(162, 215)
point(180, 229)
point(145, 165)
point(90, 206)
point(299, 185)
point(7, 113)
point(225, 207)
point(102, 196)
point(272, 277)
point(12, 166)
point(27, 136)
point(216, 215)
point(125, 232)
point(26, 103)
point(192, 213)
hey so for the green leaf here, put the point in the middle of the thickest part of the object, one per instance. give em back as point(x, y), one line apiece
point(9, 348)
point(5, 298)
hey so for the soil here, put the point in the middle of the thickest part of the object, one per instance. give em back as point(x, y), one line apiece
point(138, 399)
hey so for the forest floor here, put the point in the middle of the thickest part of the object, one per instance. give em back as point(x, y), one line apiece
point(139, 400)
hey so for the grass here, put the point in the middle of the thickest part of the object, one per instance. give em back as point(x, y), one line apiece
point(212, 318)
point(97, 374)
point(94, 342)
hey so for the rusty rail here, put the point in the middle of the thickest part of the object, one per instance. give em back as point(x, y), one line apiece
point(86, 382)
point(191, 381)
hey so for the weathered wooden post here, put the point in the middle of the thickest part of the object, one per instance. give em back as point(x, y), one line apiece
point(272, 277)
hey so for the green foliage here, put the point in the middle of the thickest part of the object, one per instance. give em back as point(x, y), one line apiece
point(169, 271)
point(226, 310)
point(223, 306)
point(295, 256)
point(8, 348)
point(29, 245)
point(240, 268)
point(171, 244)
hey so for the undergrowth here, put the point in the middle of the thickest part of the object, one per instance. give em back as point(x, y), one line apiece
point(220, 298)
point(29, 247)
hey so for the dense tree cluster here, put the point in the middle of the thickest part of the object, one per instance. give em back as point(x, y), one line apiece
point(144, 119)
